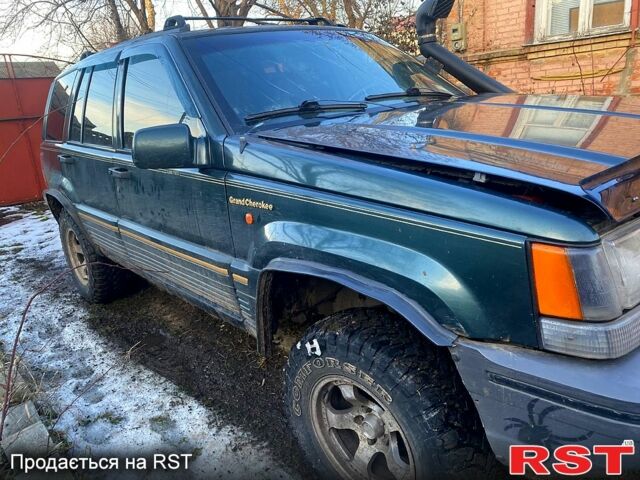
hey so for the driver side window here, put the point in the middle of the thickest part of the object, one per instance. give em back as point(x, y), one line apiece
point(150, 99)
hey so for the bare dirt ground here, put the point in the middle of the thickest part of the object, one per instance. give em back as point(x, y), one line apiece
point(192, 384)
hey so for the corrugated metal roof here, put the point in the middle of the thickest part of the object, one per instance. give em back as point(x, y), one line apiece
point(40, 69)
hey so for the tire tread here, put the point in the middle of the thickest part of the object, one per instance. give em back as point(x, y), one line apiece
point(108, 281)
point(406, 364)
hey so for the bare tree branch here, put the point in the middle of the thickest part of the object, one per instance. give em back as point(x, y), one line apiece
point(78, 24)
point(204, 13)
point(271, 10)
point(355, 13)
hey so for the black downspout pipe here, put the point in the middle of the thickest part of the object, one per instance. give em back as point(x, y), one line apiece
point(426, 17)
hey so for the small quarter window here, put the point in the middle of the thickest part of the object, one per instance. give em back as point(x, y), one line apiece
point(75, 130)
point(98, 116)
point(150, 99)
point(59, 107)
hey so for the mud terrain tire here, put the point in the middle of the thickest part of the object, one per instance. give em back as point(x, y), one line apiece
point(391, 366)
point(102, 281)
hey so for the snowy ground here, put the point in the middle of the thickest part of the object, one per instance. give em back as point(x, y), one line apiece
point(108, 405)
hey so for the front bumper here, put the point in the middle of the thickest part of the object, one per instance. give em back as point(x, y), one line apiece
point(530, 397)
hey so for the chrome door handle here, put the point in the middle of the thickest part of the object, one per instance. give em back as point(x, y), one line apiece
point(66, 159)
point(119, 172)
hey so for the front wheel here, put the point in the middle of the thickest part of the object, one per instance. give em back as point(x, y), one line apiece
point(368, 398)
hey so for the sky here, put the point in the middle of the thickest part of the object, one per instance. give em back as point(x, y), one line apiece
point(30, 42)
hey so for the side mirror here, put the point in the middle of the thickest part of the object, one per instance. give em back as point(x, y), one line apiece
point(166, 146)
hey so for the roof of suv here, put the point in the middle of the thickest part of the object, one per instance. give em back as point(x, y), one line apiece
point(108, 53)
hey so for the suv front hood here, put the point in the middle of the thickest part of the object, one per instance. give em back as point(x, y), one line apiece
point(587, 146)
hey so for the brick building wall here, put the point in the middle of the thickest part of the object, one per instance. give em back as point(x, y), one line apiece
point(614, 135)
point(501, 40)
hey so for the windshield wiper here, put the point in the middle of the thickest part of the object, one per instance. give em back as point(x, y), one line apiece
point(410, 92)
point(306, 107)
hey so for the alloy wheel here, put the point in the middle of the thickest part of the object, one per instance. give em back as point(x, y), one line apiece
point(77, 257)
point(361, 438)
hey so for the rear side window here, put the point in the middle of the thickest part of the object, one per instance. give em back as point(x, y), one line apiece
point(98, 112)
point(150, 99)
point(59, 107)
point(75, 131)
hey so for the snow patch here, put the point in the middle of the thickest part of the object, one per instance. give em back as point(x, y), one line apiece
point(118, 407)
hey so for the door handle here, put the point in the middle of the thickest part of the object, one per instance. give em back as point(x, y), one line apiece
point(119, 172)
point(66, 159)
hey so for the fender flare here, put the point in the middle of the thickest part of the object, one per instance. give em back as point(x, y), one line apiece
point(67, 205)
point(401, 304)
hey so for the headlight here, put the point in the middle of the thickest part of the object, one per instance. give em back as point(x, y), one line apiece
point(591, 285)
point(622, 248)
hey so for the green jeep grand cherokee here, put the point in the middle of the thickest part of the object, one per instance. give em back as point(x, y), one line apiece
point(462, 264)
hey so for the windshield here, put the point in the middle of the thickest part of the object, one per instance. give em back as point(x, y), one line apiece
point(256, 72)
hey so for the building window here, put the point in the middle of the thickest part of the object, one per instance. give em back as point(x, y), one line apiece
point(559, 19)
point(564, 120)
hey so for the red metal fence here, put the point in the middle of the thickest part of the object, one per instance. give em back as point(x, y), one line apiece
point(23, 93)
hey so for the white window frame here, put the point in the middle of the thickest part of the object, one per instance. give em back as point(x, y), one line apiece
point(543, 13)
point(570, 102)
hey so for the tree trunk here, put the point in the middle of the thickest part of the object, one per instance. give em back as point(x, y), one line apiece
point(114, 15)
point(150, 11)
point(139, 13)
point(232, 8)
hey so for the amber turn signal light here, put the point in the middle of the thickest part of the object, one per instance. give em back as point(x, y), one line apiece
point(555, 283)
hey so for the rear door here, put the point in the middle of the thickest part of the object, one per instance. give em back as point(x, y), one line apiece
point(174, 222)
point(87, 157)
point(55, 128)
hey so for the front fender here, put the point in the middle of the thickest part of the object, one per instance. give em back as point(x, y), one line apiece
point(421, 279)
point(403, 305)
